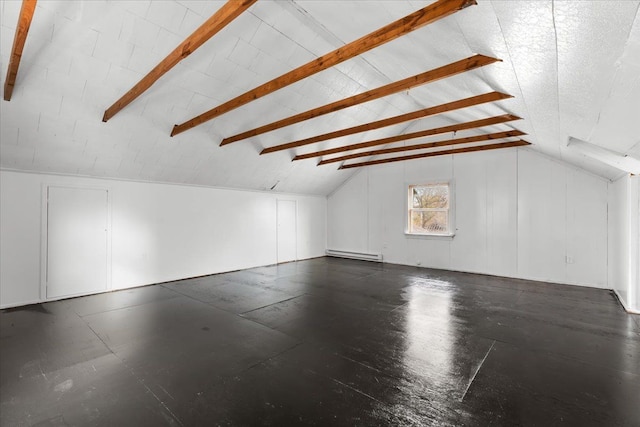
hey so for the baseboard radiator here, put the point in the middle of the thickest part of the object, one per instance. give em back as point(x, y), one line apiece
point(363, 256)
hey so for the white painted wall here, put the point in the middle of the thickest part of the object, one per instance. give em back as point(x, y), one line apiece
point(518, 214)
point(634, 244)
point(619, 237)
point(635, 256)
point(624, 240)
point(159, 232)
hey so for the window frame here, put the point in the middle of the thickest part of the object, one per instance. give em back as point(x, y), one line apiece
point(450, 233)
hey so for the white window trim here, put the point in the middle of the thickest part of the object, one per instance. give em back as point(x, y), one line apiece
point(452, 211)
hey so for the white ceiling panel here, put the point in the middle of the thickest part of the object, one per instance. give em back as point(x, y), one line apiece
point(588, 64)
point(617, 126)
point(573, 68)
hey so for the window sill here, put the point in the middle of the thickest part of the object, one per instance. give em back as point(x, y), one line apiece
point(429, 236)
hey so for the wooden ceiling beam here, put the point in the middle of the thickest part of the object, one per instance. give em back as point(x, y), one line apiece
point(450, 106)
point(439, 153)
point(467, 140)
point(438, 10)
point(436, 74)
point(22, 30)
point(429, 132)
point(223, 16)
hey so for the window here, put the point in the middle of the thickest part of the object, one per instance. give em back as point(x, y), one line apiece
point(430, 209)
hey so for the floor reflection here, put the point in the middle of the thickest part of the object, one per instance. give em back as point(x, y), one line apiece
point(324, 342)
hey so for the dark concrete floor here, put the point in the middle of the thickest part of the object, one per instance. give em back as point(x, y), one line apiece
point(324, 342)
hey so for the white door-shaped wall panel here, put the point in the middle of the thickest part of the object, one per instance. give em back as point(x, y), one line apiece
point(286, 230)
point(77, 241)
point(586, 239)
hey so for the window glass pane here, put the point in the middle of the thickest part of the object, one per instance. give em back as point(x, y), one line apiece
point(436, 196)
point(432, 222)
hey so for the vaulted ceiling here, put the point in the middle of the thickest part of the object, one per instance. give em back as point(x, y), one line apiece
point(572, 67)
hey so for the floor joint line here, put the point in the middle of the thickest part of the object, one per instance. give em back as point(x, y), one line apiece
point(477, 370)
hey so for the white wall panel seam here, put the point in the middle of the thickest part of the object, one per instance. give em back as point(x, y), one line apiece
point(368, 211)
point(566, 215)
point(609, 284)
point(517, 210)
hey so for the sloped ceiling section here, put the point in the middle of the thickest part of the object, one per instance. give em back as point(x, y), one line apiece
point(573, 68)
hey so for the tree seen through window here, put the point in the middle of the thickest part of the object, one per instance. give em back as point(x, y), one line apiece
point(429, 209)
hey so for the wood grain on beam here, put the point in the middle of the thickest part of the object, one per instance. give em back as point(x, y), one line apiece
point(449, 70)
point(22, 29)
point(467, 140)
point(227, 13)
point(439, 153)
point(429, 132)
point(450, 106)
point(418, 19)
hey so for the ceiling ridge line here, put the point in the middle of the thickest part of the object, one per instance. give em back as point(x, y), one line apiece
point(555, 36)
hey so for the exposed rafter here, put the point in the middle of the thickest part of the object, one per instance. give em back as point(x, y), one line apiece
point(429, 132)
point(450, 106)
point(223, 16)
point(438, 153)
point(22, 30)
point(418, 19)
point(436, 74)
point(467, 140)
